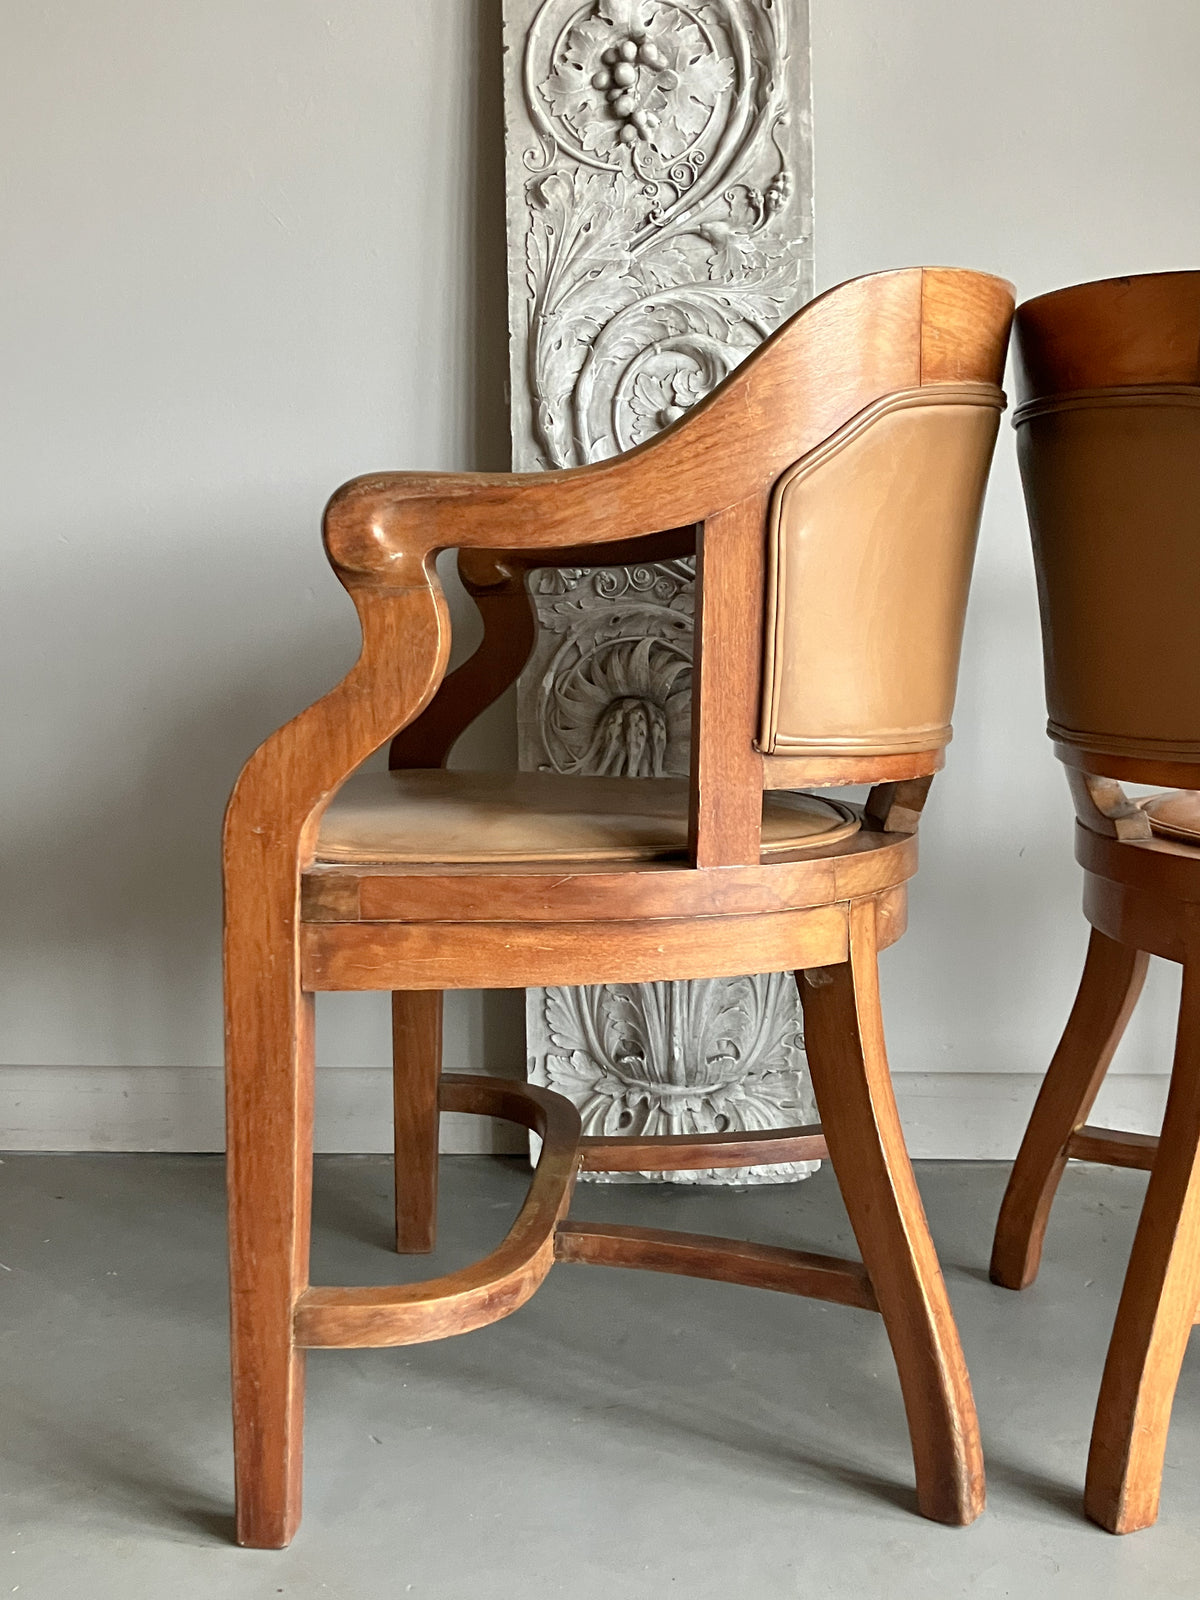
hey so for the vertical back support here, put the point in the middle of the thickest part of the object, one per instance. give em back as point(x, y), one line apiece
point(725, 818)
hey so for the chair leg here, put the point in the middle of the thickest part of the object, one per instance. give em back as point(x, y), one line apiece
point(269, 1088)
point(848, 1063)
point(416, 1070)
point(1157, 1306)
point(1112, 980)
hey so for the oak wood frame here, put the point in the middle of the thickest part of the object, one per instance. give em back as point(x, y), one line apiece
point(293, 926)
point(1141, 895)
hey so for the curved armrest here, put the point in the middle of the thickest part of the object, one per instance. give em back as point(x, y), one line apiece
point(823, 367)
point(277, 802)
point(375, 527)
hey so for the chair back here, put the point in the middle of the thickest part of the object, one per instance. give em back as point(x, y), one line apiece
point(871, 543)
point(1108, 430)
point(871, 540)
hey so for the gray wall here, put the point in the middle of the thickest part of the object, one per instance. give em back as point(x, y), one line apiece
point(258, 247)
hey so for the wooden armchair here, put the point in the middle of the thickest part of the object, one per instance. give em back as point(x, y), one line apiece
point(1109, 442)
point(831, 490)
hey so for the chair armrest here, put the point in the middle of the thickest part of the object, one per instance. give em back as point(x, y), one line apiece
point(277, 802)
point(382, 542)
point(376, 527)
point(795, 390)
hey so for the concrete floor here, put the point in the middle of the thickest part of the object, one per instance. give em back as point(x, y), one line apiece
point(625, 1435)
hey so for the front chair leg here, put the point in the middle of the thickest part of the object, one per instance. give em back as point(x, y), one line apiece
point(1157, 1306)
point(416, 1070)
point(1113, 975)
point(269, 1086)
point(848, 1063)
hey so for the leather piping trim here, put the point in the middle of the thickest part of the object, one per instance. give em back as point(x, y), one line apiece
point(1161, 394)
point(881, 745)
point(1117, 744)
point(934, 394)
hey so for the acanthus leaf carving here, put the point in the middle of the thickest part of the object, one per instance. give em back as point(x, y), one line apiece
point(712, 1055)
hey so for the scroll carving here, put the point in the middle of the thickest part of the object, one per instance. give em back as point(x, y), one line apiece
point(660, 196)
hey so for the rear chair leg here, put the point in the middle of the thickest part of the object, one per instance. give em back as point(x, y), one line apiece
point(1157, 1306)
point(848, 1063)
point(416, 1070)
point(1112, 980)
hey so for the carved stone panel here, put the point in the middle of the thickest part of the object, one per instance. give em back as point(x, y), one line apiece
point(659, 226)
point(659, 208)
point(716, 1055)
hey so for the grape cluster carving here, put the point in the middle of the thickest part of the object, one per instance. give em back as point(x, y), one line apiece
point(621, 67)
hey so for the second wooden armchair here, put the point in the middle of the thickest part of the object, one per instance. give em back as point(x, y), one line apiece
point(831, 489)
point(1109, 446)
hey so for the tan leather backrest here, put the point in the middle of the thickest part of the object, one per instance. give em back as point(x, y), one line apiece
point(1112, 487)
point(872, 540)
point(1109, 448)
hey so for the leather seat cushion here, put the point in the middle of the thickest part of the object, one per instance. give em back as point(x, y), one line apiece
point(435, 816)
point(1175, 815)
